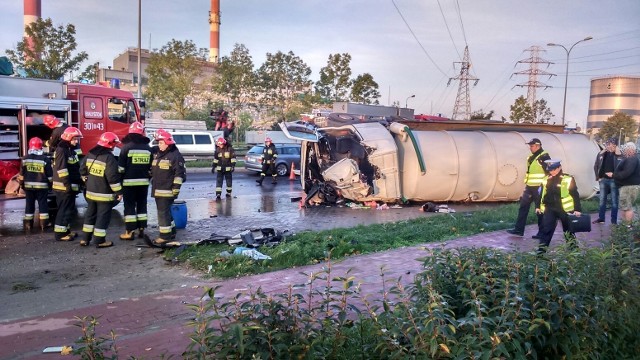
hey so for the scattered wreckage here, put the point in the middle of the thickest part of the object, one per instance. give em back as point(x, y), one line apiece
point(366, 158)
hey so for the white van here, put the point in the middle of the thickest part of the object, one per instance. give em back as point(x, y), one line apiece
point(195, 144)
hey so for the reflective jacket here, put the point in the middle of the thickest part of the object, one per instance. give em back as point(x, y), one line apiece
point(36, 171)
point(560, 193)
point(269, 154)
point(224, 159)
point(535, 168)
point(134, 161)
point(167, 173)
point(66, 168)
point(99, 169)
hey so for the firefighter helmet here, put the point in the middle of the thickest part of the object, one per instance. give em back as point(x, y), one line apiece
point(35, 143)
point(267, 139)
point(163, 135)
point(108, 140)
point(221, 141)
point(50, 120)
point(70, 133)
point(136, 127)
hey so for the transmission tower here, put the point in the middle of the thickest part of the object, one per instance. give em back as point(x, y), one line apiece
point(533, 72)
point(462, 108)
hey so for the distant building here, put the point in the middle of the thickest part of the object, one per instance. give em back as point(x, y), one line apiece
point(611, 94)
point(128, 61)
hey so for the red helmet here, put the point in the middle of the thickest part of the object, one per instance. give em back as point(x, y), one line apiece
point(267, 139)
point(70, 133)
point(221, 141)
point(50, 120)
point(35, 143)
point(136, 128)
point(163, 135)
point(108, 140)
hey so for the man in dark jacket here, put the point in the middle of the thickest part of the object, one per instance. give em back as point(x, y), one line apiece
point(533, 178)
point(99, 169)
point(167, 175)
point(134, 163)
point(606, 161)
point(35, 177)
point(627, 177)
point(224, 162)
point(269, 156)
point(559, 198)
point(66, 182)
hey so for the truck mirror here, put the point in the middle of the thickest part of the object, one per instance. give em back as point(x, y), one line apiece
point(142, 103)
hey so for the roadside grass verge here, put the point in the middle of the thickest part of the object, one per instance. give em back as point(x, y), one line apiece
point(312, 247)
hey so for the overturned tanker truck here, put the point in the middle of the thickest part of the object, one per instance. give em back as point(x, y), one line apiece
point(364, 158)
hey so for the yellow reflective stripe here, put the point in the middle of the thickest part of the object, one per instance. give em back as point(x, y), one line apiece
point(44, 216)
point(100, 232)
point(60, 229)
point(163, 193)
point(35, 185)
point(116, 187)
point(164, 229)
point(99, 196)
point(177, 180)
point(87, 228)
point(142, 216)
point(75, 187)
point(130, 218)
point(135, 182)
point(120, 169)
point(28, 216)
point(58, 186)
point(63, 173)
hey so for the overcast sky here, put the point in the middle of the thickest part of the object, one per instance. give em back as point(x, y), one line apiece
point(408, 46)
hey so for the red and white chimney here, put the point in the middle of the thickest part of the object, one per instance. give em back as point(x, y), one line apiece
point(214, 31)
point(32, 12)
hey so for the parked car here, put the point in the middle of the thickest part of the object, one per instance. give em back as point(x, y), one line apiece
point(194, 144)
point(287, 154)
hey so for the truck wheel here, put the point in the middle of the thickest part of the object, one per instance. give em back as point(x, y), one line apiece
point(282, 169)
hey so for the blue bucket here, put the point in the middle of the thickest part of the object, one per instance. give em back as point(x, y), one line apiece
point(179, 213)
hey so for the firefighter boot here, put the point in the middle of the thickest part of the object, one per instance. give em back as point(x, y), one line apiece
point(101, 242)
point(128, 235)
point(86, 239)
point(69, 236)
point(274, 180)
point(27, 225)
point(141, 233)
point(44, 223)
point(259, 181)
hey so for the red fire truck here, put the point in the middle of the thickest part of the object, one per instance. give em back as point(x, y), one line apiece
point(93, 109)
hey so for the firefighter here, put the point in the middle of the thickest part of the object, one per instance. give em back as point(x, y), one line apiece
point(533, 178)
point(559, 198)
point(66, 182)
point(167, 175)
point(35, 178)
point(224, 162)
point(99, 169)
point(134, 163)
point(269, 156)
point(57, 127)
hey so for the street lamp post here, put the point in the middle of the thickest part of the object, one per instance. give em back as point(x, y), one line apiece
point(566, 75)
point(406, 101)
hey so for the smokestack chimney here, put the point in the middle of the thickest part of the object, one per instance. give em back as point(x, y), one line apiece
point(214, 31)
point(32, 12)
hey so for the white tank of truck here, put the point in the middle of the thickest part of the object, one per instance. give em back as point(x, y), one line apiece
point(393, 162)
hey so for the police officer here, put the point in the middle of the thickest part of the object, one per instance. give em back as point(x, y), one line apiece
point(224, 162)
point(58, 128)
point(167, 175)
point(533, 180)
point(100, 171)
point(559, 198)
point(35, 177)
point(134, 163)
point(66, 182)
point(269, 156)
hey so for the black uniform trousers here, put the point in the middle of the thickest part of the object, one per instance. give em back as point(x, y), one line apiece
point(31, 196)
point(135, 206)
point(549, 222)
point(66, 202)
point(529, 196)
point(227, 176)
point(269, 168)
point(97, 219)
point(166, 225)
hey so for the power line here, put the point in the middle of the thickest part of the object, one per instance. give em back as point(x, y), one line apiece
point(449, 30)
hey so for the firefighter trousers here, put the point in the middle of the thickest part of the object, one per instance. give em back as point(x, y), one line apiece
point(226, 176)
point(66, 202)
point(33, 196)
point(97, 219)
point(135, 206)
point(166, 226)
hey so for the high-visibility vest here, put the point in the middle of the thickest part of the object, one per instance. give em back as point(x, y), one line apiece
point(535, 173)
point(565, 198)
